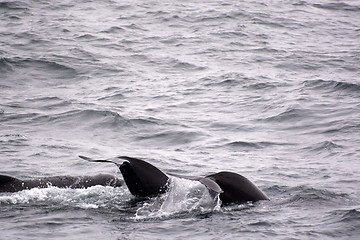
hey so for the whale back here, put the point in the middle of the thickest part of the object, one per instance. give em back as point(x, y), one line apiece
point(9, 184)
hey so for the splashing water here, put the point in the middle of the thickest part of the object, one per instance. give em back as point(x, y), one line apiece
point(92, 197)
point(184, 196)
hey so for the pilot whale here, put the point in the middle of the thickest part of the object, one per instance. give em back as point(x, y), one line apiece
point(11, 184)
point(145, 180)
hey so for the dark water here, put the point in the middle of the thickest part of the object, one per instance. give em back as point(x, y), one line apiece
point(267, 89)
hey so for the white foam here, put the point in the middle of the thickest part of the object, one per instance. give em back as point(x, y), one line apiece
point(92, 197)
point(183, 196)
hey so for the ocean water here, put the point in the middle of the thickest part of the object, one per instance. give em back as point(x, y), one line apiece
point(267, 89)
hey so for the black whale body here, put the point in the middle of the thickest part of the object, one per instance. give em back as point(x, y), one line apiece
point(11, 184)
point(142, 178)
point(237, 188)
point(145, 180)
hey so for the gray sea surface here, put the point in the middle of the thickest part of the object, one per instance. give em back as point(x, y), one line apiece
point(267, 89)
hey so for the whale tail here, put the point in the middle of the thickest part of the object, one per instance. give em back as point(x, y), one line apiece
point(144, 167)
point(145, 180)
point(142, 178)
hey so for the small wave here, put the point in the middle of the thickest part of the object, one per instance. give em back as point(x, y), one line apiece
point(56, 70)
point(267, 22)
point(19, 118)
point(350, 215)
point(262, 86)
point(238, 79)
point(114, 29)
point(124, 6)
point(171, 137)
point(213, 16)
point(241, 145)
point(323, 146)
point(134, 26)
point(306, 195)
point(342, 217)
point(87, 36)
point(114, 96)
point(13, 139)
point(343, 128)
point(5, 65)
point(173, 40)
point(89, 117)
point(268, 50)
point(146, 121)
point(14, 5)
point(290, 114)
point(177, 64)
point(336, 6)
point(167, 64)
point(228, 80)
point(48, 103)
point(299, 65)
point(332, 86)
point(230, 34)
